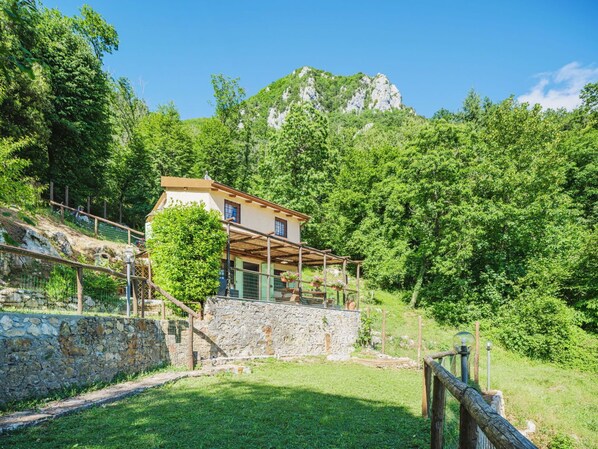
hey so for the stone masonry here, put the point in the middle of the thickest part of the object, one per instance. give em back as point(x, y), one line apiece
point(42, 353)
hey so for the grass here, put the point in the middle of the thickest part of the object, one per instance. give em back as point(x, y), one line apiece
point(560, 401)
point(280, 405)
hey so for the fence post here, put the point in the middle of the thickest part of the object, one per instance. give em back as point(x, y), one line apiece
point(427, 380)
point(384, 331)
point(95, 227)
point(419, 339)
point(476, 356)
point(163, 309)
point(468, 430)
point(128, 236)
point(438, 404)
point(134, 291)
point(142, 298)
point(80, 291)
point(190, 363)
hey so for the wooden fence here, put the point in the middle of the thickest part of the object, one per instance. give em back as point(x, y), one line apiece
point(138, 300)
point(96, 220)
point(474, 412)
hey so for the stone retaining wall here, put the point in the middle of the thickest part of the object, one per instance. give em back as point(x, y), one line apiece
point(41, 353)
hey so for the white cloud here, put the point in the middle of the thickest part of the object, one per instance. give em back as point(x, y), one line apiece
point(560, 89)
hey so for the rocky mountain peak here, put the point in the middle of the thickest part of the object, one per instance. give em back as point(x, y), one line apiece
point(327, 92)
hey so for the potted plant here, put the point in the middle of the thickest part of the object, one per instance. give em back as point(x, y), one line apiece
point(289, 276)
point(337, 285)
point(317, 281)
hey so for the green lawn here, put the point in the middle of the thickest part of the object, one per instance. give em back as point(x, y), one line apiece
point(313, 404)
point(560, 401)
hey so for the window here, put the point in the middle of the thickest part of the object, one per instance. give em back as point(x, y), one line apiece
point(232, 210)
point(280, 227)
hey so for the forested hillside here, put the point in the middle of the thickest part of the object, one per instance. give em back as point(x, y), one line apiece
point(485, 213)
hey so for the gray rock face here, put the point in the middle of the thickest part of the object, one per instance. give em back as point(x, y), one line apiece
point(314, 86)
point(63, 243)
point(385, 96)
point(276, 119)
point(38, 243)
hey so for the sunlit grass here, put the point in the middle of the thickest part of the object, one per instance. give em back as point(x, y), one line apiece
point(558, 400)
point(281, 405)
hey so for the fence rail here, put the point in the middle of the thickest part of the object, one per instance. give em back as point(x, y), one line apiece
point(260, 286)
point(474, 412)
point(131, 234)
point(137, 289)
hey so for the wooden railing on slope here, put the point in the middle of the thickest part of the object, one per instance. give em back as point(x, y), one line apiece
point(82, 266)
point(96, 219)
point(474, 411)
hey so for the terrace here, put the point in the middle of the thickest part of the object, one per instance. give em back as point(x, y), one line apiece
point(322, 279)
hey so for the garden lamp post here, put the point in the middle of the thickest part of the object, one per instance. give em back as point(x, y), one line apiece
point(488, 348)
point(462, 343)
point(129, 259)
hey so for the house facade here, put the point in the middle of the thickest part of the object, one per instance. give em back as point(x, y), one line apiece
point(264, 241)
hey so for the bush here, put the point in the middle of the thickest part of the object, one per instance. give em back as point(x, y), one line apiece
point(62, 285)
point(539, 326)
point(186, 246)
point(364, 336)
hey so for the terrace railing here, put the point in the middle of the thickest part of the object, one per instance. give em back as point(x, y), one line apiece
point(475, 414)
point(253, 285)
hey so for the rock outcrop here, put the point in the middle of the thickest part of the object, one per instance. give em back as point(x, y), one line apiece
point(326, 92)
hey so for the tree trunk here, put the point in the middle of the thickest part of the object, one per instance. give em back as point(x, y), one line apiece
point(418, 284)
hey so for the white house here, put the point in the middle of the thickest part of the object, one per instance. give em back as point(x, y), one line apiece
point(264, 240)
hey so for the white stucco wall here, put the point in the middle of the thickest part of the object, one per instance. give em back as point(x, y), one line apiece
point(252, 215)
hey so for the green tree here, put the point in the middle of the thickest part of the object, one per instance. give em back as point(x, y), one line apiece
point(297, 166)
point(186, 245)
point(167, 141)
point(216, 152)
point(102, 36)
point(78, 114)
point(229, 96)
point(15, 187)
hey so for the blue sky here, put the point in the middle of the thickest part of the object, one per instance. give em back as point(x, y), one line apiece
point(434, 51)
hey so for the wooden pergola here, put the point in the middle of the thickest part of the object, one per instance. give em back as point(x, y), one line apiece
point(245, 242)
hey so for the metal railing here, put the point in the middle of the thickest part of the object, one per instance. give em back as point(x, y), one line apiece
point(474, 413)
point(254, 285)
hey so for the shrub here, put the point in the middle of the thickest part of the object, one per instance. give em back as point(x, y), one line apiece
point(62, 284)
point(186, 246)
point(539, 326)
point(364, 336)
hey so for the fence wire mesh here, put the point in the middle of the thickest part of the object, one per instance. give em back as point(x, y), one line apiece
point(28, 284)
point(86, 225)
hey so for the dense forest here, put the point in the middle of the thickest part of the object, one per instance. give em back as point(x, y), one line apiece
point(485, 213)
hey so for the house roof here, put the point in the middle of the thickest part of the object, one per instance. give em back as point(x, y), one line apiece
point(170, 182)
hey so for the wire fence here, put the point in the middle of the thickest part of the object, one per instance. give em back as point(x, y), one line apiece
point(96, 226)
point(37, 285)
